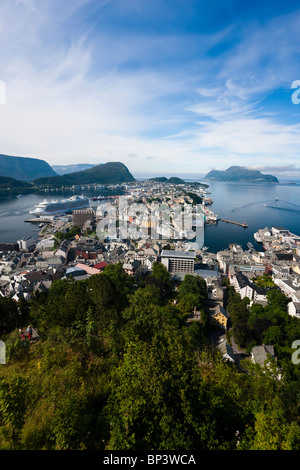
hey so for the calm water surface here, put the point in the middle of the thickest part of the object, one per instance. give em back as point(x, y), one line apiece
point(254, 204)
point(13, 213)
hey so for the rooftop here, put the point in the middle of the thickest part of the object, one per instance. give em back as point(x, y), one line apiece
point(260, 353)
point(178, 254)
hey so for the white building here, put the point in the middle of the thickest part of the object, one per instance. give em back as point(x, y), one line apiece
point(294, 309)
point(178, 261)
point(45, 244)
point(291, 288)
point(242, 285)
point(26, 243)
point(246, 288)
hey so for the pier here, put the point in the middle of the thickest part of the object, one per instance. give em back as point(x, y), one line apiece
point(37, 220)
point(234, 223)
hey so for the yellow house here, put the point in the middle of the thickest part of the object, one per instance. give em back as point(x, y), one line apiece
point(219, 317)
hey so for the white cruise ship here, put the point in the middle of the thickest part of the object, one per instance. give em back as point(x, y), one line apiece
point(56, 207)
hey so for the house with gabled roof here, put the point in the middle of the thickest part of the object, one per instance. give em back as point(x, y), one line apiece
point(63, 249)
point(246, 288)
point(88, 269)
point(131, 267)
point(101, 265)
point(43, 286)
point(260, 354)
point(219, 317)
point(227, 351)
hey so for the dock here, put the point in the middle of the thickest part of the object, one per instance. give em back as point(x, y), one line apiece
point(234, 223)
point(37, 220)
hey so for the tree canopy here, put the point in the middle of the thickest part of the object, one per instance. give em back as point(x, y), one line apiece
point(117, 367)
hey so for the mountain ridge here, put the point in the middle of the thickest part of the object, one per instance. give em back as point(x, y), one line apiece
point(104, 173)
point(12, 187)
point(66, 169)
point(240, 174)
point(24, 168)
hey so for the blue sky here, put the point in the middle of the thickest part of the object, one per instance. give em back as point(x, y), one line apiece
point(165, 86)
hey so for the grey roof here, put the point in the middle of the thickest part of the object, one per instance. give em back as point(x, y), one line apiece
point(243, 281)
point(219, 309)
point(226, 350)
point(281, 229)
point(75, 272)
point(260, 353)
point(206, 273)
point(34, 276)
point(178, 254)
point(297, 306)
point(131, 264)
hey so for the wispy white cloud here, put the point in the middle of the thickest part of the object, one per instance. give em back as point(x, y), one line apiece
point(281, 168)
point(79, 91)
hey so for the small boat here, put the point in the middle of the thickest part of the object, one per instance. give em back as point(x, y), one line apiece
point(257, 237)
point(208, 201)
point(276, 199)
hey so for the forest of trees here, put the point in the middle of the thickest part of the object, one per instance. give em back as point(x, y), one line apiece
point(270, 324)
point(117, 367)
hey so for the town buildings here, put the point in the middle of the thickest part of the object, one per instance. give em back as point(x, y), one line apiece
point(142, 237)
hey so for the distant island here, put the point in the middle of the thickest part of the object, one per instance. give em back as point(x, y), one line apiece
point(164, 179)
point(176, 180)
point(240, 174)
point(106, 173)
point(24, 168)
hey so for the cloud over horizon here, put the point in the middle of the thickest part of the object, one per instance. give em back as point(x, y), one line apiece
point(187, 86)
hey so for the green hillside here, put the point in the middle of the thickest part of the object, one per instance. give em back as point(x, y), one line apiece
point(107, 173)
point(114, 365)
point(176, 180)
point(12, 187)
point(171, 180)
point(24, 168)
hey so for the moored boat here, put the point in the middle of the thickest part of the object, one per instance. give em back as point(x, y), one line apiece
point(64, 206)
